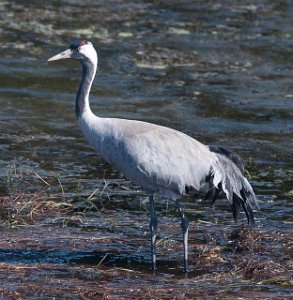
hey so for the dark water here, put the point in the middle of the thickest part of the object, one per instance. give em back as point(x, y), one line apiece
point(219, 71)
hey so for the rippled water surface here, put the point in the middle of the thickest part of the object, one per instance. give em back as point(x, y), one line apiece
point(218, 71)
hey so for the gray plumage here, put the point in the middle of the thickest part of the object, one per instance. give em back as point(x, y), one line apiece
point(157, 158)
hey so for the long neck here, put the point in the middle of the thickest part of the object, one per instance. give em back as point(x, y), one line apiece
point(82, 97)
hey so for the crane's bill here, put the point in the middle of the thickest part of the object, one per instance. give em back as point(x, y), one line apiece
point(65, 54)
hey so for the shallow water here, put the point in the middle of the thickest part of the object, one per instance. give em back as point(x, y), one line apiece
point(220, 72)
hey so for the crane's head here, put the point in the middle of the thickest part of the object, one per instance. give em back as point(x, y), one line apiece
point(80, 50)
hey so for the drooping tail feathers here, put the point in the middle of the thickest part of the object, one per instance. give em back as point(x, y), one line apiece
point(229, 178)
point(231, 155)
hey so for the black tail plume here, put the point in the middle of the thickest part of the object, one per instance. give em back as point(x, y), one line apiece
point(236, 188)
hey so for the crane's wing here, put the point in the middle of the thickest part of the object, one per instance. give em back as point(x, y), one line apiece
point(170, 160)
point(173, 161)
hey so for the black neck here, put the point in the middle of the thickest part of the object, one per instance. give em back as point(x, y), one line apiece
point(82, 97)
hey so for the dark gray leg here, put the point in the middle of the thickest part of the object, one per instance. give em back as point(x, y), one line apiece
point(153, 229)
point(184, 227)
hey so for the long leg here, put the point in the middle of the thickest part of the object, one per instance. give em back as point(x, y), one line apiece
point(184, 227)
point(153, 229)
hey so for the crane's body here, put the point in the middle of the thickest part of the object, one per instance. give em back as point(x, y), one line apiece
point(123, 144)
point(157, 158)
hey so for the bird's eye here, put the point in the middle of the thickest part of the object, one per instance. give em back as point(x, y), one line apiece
point(78, 49)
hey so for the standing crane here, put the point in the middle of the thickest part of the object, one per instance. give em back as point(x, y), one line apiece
point(157, 158)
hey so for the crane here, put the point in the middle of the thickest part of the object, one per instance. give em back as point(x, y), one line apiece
point(159, 159)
